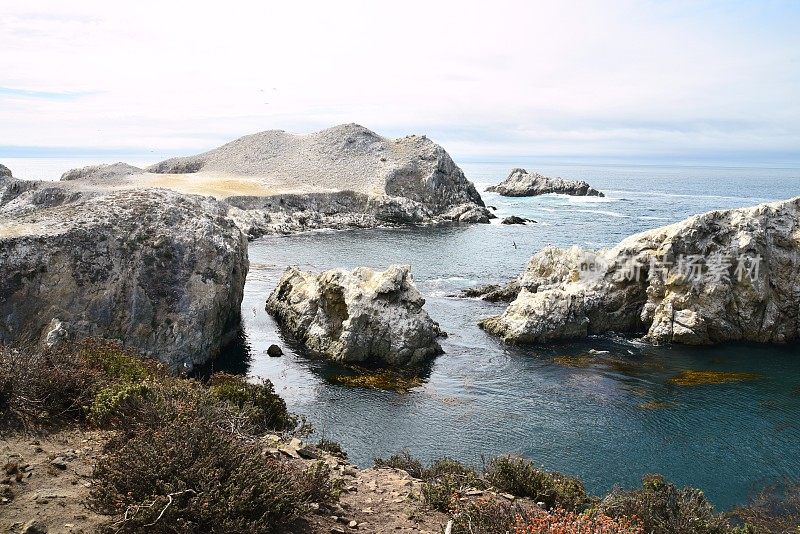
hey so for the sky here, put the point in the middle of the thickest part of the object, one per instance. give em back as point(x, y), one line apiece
point(636, 81)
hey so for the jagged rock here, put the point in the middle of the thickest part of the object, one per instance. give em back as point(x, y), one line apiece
point(521, 183)
point(5, 172)
point(102, 173)
point(161, 271)
point(274, 351)
point(721, 276)
point(492, 292)
point(513, 219)
point(357, 316)
point(468, 213)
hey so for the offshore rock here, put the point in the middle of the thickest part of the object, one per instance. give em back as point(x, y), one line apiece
point(357, 316)
point(521, 183)
point(720, 276)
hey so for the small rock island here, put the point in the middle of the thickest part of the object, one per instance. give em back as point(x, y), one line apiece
point(521, 183)
point(357, 316)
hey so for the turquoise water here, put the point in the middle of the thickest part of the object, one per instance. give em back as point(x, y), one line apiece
point(608, 417)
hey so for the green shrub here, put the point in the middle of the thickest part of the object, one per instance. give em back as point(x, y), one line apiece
point(663, 508)
point(445, 479)
point(110, 405)
point(522, 478)
point(115, 363)
point(403, 460)
point(189, 476)
point(259, 403)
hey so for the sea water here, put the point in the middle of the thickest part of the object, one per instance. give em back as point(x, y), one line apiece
point(604, 409)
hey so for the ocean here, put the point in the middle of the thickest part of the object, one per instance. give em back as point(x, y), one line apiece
point(602, 409)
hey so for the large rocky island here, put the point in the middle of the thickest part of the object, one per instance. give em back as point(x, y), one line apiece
point(720, 276)
point(342, 177)
point(521, 183)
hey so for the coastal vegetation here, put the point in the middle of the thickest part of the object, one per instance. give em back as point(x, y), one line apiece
point(184, 455)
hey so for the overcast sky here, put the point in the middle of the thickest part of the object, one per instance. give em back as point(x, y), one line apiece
point(637, 81)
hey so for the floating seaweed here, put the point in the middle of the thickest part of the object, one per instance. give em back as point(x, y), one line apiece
point(700, 378)
point(381, 380)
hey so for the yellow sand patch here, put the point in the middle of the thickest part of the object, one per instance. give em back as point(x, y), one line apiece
point(209, 184)
point(700, 378)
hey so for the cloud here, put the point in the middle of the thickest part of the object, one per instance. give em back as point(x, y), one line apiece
point(574, 78)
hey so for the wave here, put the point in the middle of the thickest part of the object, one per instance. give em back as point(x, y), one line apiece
point(615, 214)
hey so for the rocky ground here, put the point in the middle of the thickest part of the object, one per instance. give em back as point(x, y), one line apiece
point(45, 482)
point(47, 478)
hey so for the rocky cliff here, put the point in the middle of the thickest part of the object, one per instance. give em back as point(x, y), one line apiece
point(357, 316)
point(161, 271)
point(720, 276)
point(521, 183)
point(5, 172)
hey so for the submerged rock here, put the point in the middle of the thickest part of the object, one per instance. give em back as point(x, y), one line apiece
point(521, 183)
point(160, 271)
point(357, 316)
point(721, 276)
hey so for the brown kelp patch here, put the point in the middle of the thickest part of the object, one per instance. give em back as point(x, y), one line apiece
point(693, 377)
point(384, 380)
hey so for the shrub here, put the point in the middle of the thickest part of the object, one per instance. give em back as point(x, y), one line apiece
point(663, 508)
point(446, 478)
point(111, 404)
point(561, 521)
point(776, 509)
point(403, 460)
point(48, 387)
point(189, 476)
point(483, 516)
point(522, 478)
point(259, 403)
point(331, 447)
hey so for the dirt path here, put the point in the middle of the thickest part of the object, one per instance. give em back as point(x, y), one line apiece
point(46, 479)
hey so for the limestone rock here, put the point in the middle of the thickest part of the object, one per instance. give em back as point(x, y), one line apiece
point(720, 276)
point(161, 271)
point(357, 316)
point(521, 183)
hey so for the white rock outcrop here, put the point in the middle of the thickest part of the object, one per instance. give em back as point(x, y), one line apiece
point(720, 276)
point(160, 271)
point(357, 316)
point(521, 183)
